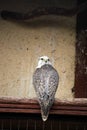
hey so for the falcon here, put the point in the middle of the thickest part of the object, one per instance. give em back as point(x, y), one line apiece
point(45, 81)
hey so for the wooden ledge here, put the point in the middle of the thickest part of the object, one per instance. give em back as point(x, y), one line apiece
point(60, 107)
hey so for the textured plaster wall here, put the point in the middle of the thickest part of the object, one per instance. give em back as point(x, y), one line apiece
point(21, 43)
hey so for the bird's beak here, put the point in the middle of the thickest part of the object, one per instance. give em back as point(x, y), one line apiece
point(46, 61)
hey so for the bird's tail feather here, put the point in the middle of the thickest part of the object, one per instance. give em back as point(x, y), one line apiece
point(44, 114)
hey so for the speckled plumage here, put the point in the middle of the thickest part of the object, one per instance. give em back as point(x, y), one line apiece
point(45, 80)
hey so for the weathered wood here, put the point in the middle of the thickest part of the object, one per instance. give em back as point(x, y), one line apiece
point(73, 107)
point(81, 54)
point(44, 11)
point(81, 66)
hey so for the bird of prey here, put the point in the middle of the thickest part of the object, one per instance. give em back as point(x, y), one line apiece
point(45, 81)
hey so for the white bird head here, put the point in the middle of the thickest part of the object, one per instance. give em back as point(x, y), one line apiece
point(43, 60)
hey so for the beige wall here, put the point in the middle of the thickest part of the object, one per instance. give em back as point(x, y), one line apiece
point(21, 43)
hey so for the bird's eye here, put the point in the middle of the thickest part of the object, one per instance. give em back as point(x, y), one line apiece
point(48, 59)
point(41, 58)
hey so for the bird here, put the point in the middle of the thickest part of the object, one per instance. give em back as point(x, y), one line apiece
point(45, 82)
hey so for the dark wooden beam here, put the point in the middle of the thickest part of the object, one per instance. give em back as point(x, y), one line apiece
point(73, 107)
point(39, 11)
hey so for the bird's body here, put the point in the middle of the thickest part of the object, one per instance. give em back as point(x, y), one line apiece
point(45, 80)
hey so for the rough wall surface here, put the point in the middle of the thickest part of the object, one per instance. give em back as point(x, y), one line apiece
point(21, 43)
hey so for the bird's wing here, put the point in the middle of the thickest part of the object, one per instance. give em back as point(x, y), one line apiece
point(45, 83)
point(53, 83)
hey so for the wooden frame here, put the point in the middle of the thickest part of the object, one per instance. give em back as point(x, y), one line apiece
point(81, 55)
point(81, 65)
